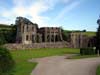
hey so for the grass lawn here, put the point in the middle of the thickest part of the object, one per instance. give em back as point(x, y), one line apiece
point(21, 57)
point(98, 70)
point(90, 33)
point(83, 56)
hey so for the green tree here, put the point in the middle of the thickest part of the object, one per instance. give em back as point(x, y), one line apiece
point(2, 39)
point(98, 38)
point(66, 35)
point(6, 61)
point(8, 36)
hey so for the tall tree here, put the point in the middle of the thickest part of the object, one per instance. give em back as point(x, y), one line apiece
point(98, 37)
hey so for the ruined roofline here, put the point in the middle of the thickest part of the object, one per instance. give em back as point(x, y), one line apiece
point(50, 27)
point(26, 21)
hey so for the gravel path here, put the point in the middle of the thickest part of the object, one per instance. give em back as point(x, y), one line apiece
point(59, 65)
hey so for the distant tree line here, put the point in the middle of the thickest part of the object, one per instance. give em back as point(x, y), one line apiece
point(6, 61)
point(8, 36)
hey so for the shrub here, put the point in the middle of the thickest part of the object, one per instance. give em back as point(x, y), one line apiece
point(2, 39)
point(87, 51)
point(6, 61)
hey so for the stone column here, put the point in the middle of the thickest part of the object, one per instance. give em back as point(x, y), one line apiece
point(34, 38)
point(45, 34)
point(61, 35)
point(54, 36)
point(50, 36)
point(58, 38)
point(40, 38)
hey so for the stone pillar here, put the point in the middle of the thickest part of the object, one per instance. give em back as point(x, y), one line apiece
point(50, 36)
point(61, 35)
point(81, 40)
point(54, 36)
point(34, 38)
point(58, 38)
point(40, 38)
point(45, 34)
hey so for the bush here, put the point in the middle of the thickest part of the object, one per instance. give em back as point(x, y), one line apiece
point(87, 51)
point(2, 39)
point(6, 61)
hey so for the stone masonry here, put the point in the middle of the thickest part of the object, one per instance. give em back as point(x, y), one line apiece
point(28, 32)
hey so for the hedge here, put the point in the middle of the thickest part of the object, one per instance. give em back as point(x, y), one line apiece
point(87, 51)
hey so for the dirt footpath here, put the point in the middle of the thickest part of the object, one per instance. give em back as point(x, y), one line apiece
point(59, 65)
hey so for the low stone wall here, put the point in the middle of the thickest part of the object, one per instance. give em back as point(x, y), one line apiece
point(36, 45)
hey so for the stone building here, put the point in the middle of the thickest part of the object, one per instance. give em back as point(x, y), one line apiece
point(28, 32)
point(51, 34)
point(79, 40)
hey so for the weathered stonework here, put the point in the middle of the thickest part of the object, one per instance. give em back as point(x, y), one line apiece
point(28, 32)
point(36, 45)
point(79, 40)
point(29, 36)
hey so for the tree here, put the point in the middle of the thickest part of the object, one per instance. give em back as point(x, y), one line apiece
point(84, 30)
point(66, 35)
point(8, 36)
point(6, 61)
point(98, 38)
point(2, 39)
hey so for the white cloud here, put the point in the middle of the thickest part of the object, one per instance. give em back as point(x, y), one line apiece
point(34, 9)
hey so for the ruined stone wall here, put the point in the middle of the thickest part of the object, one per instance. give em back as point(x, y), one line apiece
point(28, 32)
point(36, 45)
point(51, 34)
point(79, 40)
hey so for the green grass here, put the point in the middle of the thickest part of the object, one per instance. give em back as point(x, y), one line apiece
point(98, 70)
point(83, 56)
point(90, 33)
point(21, 57)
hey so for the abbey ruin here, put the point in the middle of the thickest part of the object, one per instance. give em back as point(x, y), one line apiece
point(28, 32)
point(29, 36)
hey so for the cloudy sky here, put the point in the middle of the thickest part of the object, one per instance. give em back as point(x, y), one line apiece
point(68, 14)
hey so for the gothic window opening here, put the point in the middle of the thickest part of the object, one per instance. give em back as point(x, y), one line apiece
point(27, 37)
point(23, 28)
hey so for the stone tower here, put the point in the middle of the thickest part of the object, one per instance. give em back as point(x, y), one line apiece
point(26, 31)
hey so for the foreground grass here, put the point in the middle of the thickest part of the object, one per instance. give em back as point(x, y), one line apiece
point(21, 57)
point(83, 56)
point(98, 70)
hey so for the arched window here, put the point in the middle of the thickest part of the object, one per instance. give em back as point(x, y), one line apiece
point(23, 28)
point(27, 37)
